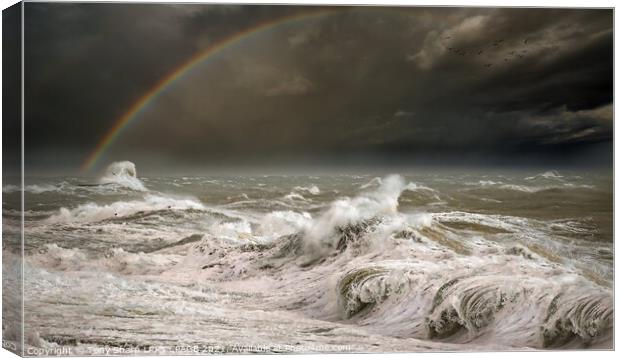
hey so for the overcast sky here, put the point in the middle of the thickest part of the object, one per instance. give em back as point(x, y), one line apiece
point(361, 86)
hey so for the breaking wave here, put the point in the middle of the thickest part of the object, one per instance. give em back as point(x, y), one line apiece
point(536, 189)
point(313, 189)
point(364, 260)
point(551, 174)
point(33, 188)
point(123, 174)
point(92, 212)
point(411, 275)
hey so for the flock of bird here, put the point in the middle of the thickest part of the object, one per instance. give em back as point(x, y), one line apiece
point(495, 46)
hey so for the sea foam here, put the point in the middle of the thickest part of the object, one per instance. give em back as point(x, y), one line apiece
point(123, 174)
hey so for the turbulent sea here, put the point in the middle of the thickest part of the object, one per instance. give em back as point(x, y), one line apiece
point(461, 261)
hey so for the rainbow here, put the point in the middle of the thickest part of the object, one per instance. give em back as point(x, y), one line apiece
point(133, 112)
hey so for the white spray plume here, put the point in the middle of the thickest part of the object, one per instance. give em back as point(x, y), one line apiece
point(124, 174)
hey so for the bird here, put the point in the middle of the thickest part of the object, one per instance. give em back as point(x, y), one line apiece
point(480, 52)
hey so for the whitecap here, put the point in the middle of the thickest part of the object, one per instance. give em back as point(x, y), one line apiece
point(92, 212)
point(123, 174)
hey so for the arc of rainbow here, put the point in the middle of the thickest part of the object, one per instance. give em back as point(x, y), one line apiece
point(132, 113)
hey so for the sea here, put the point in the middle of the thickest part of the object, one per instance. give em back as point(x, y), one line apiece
point(461, 260)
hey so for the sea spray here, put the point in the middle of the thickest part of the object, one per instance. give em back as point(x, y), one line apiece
point(381, 201)
point(92, 212)
point(123, 174)
point(392, 268)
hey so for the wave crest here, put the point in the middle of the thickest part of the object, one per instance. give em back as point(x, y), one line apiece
point(123, 174)
point(92, 212)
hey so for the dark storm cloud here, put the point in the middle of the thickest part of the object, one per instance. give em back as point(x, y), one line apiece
point(399, 84)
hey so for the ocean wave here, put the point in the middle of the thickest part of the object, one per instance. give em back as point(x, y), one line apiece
point(424, 301)
point(537, 189)
point(112, 260)
point(489, 182)
point(269, 205)
point(449, 276)
point(281, 223)
point(376, 181)
point(128, 263)
point(312, 189)
point(294, 196)
point(297, 193)
point(92, 212)
point(412, 284)
point(123, 174)
point(492, 298)
point(551, 174)
point(382, 201)
point(530, 189)
point(34, 188)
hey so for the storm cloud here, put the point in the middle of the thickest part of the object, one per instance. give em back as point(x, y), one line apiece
point(355, 85)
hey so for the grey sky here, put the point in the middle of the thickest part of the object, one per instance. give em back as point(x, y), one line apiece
point(362, 85)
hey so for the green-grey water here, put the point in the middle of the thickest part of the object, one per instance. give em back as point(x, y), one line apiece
point(420, 261)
